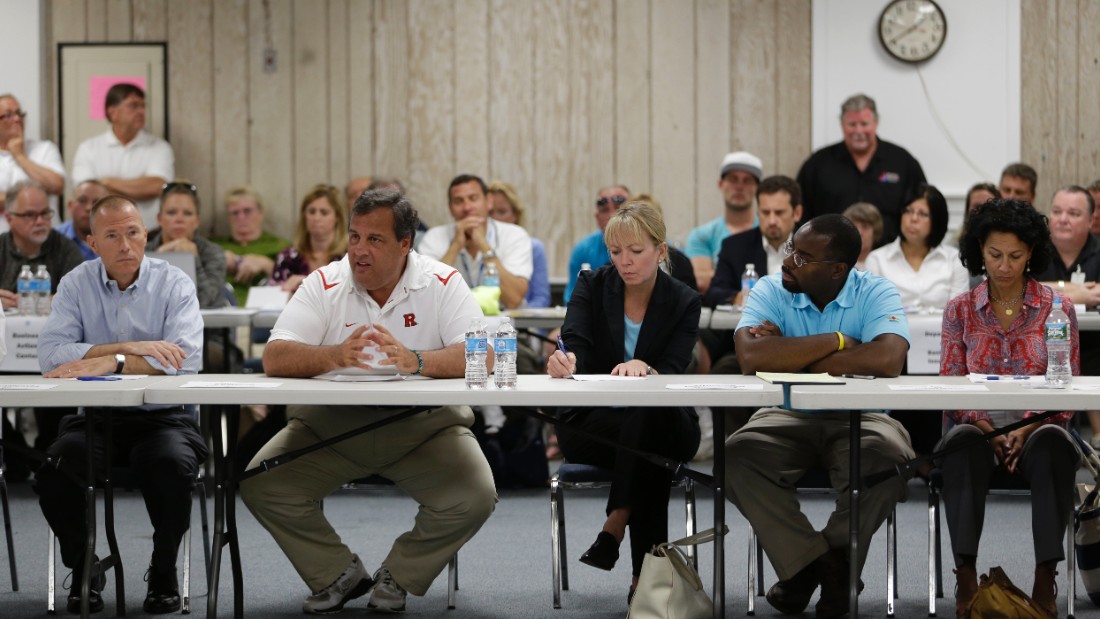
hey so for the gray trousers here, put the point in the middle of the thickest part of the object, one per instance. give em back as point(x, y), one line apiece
point(1048, 462)
point(766, 458)
point(432, 456)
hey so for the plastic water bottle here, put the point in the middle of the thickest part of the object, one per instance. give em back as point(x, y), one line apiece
point(477, 351)
point(749, 277)
point(1059, 373)
point(491, 278)
point(586, 266)
point(42, 287)
point(504, 345)
point(25, 286)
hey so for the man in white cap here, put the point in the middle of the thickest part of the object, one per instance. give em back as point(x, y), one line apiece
point(739, 176)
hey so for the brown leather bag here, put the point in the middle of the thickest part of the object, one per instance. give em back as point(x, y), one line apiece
point(998, 598)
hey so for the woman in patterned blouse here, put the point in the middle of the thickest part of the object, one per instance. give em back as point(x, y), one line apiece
point(997, 328)
point(321, 237)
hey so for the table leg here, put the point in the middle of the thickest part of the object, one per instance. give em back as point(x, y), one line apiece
point(89, 514)
point(219, 515)
point(718, 428)
point(233, 422)
point(854, 488)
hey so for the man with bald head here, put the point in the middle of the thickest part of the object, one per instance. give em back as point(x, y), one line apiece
point(23, 159)
point(30, 240)
point(125, 313)
point(78, 227)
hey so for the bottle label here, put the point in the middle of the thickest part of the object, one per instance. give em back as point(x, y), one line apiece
point(25, 285)
point(504, 344)
point(747, 283)
point(1057, 332)
point(477, 344)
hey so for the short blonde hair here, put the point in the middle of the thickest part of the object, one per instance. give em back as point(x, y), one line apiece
point(636, 220)
point(509, 193)
point(244, 191)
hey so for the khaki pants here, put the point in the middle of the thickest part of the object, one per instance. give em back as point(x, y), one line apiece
point(432, 456)
point(767, 457)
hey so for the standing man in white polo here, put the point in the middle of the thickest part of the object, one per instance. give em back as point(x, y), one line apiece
point(126, 158)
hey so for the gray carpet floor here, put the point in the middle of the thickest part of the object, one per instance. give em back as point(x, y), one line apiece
point(505, 570)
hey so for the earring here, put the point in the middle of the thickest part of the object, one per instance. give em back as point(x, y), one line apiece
point(983, 267)
point(1027, 269)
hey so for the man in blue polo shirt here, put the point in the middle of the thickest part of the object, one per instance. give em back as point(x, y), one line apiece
point(818, 315)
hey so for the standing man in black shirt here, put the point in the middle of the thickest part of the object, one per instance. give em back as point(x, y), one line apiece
point(862, 168)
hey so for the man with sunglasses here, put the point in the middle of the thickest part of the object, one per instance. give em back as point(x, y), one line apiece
point(592, 250)
point(818, 315)
point(126, 158)
point(738, 179)
point(24, 159)
point(31, 240)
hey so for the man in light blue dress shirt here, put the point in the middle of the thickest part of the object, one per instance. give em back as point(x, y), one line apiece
point(125, 313)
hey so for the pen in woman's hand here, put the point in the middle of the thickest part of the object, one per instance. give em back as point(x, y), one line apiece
point(565, 356)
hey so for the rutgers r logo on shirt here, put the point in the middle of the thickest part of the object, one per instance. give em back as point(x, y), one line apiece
point(410, 320)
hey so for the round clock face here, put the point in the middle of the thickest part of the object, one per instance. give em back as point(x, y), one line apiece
point(912, 30)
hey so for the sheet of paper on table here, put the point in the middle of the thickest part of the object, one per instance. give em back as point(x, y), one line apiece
point(795, 378)
point(604, 377)
point(25, 387)
point(223, 384)
point(1007, 378)
point(933, 387)
point(361, 378)
point(714, 387)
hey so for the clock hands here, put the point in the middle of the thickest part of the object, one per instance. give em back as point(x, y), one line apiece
point(908, 30)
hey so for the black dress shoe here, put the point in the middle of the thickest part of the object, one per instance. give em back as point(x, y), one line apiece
point(792, 596)
point(95, 585)
point(164, 593)
point(832, 570)
point(603, 553)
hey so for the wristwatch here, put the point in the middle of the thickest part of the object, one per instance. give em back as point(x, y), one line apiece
point(120, 363)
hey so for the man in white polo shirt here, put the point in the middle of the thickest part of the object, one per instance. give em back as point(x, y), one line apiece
point(474, 241)
point(127, 159)
point(23, 159)
point(381, 306)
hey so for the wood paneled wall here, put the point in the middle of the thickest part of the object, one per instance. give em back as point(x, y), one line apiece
point(1060, 92)
point(558, 97)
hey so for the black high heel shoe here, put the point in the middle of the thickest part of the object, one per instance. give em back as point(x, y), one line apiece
point(603, 553)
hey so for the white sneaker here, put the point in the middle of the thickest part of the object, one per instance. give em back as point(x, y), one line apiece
point(353, 583)
point(387, 596)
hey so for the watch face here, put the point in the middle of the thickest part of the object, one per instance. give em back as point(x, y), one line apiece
point(912, 30)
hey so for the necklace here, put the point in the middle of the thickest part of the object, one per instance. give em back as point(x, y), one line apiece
point(1007, 304)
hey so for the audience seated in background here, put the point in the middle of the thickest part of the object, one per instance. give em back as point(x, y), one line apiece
point(979, 194)
point(31, 241)
point(926, 271)
point(737, 181)
point(505, 206)
point(1075, 266)
point(591, 250)
point(819, 315)
point(320, 238)
point(126, 158)
point(78, 226)
point(250, 250)
point(178, 222)
point(156, 307)
point(23, 159)
point(432, 456)
point(1094, 191)
point(869, 223)
point(1019, 182)
point(630, 319)
point(475, 240)
point(779, 208)
point(998, 328)
point(861, 168)
point(355, 188)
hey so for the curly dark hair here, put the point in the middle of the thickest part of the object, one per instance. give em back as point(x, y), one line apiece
point(1011, 216)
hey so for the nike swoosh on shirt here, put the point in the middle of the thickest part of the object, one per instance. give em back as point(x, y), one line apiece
point(350, 324)
point(447, 279)
point(325, 283)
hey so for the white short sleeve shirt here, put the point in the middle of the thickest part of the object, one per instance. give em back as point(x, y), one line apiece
point(42, 152)
point(511, 243)
point(941, 277)
point(430, 308)
point(145, 155)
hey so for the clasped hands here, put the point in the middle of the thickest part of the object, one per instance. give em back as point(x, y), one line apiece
point(370, 342)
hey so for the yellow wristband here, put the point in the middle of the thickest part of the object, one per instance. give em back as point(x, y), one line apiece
point(840, 336)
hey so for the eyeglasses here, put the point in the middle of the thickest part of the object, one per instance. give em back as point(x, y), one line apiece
point(176, 187)
point(799, 262)
point(17, 114)
point(617, 200)
point(33, 215)
point(915, 213)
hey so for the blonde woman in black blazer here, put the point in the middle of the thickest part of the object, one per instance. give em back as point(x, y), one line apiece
point(630, 318)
